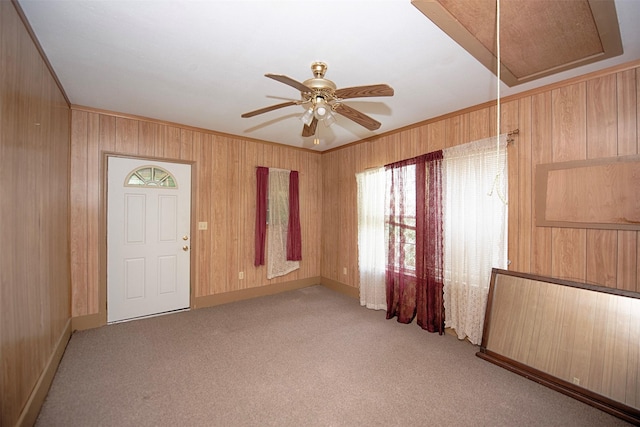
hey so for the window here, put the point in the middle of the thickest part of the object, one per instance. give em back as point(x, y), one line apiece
point(400, 223)
point(151, 176)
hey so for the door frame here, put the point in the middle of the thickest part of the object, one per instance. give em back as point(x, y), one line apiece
point(101, 318)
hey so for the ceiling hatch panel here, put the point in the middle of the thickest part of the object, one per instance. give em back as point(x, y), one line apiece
point(537, 38)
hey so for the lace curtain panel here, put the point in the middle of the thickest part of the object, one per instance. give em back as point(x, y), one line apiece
point(371, 248)
point(475, 230)
point(277, 264)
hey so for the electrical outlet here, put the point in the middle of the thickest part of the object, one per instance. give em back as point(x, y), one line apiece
point(576, 381)
point(202, 225)
point(241, 275)
point(344, 270)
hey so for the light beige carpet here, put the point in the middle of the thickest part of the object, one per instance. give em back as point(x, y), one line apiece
point(310, 357)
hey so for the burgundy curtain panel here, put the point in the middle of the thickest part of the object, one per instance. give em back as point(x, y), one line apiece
point(414, 270)
point(294, 237)
point(429, 243)
point(262, 190)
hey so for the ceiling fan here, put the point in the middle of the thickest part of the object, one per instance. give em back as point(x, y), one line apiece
point(324, 98)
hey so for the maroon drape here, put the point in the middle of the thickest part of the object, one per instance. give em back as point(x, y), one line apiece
point(262, 179)
point(414, 271)
point(294, 238)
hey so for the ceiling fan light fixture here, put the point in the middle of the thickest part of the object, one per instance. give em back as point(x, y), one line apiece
point(321, 108)
point(329, 118)
point(307, 117)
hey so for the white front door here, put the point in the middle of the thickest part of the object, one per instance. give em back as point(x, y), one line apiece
point(148, 237)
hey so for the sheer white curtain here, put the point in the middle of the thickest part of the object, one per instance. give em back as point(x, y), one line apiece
point(277, 264)
point(475, 230)
point(371, 246)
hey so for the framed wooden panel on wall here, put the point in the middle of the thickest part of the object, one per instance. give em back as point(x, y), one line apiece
point(598, 193)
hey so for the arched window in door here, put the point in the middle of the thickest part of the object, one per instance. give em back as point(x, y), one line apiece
point(151, 176)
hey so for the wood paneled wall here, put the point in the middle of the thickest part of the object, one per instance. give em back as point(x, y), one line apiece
point(591, 117)
point(224, 197)
point(34, 220)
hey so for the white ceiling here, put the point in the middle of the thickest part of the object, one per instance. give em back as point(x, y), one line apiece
point(202, 63)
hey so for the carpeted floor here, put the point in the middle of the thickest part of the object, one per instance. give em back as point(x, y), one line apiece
point(310, 357)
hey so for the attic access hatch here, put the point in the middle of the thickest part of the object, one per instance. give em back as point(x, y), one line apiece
point(537, 38)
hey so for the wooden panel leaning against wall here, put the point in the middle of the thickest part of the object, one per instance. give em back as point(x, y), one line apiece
point(223, 197)
point(592, 116)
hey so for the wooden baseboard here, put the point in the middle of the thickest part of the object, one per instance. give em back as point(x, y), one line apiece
point(36, 399)
point(227, 297)
point(92, 321)
point(89, 321)
point(340, 287)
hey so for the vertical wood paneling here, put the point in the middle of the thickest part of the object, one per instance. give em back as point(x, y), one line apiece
point(148, 134)
point(79, 230)
point(35, 157)
point(126, 136)
point(565, 123)
point(509, 116)
point(633, 372)
point(204, 213)
point(172, 143)
point(569, 143)
point(247, 246)
point(628, 111)
point(233, 205)
point(524, 211)
point(457, 131)
point(186, 144)
point(480, 124)
point(541, 152)
point(224, 198)
point(581, 359)
point(436, 135)
point(94, 189)
point(107, 133)
point(602, 127)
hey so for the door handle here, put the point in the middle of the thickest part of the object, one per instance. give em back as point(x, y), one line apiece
point(185, 248)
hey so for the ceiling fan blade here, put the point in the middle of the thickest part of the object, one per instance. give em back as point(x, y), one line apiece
point(357, 116)
point(311, 129)
point(364, 91)
point(289, 81)
point(267, 109)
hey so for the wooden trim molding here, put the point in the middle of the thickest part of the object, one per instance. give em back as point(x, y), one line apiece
point(244, 294)
point(334, 285)
point(90, 321)
point(36, 399)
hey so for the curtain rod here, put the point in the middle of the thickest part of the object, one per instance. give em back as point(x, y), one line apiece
point(510, 140)
point(276, 169)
